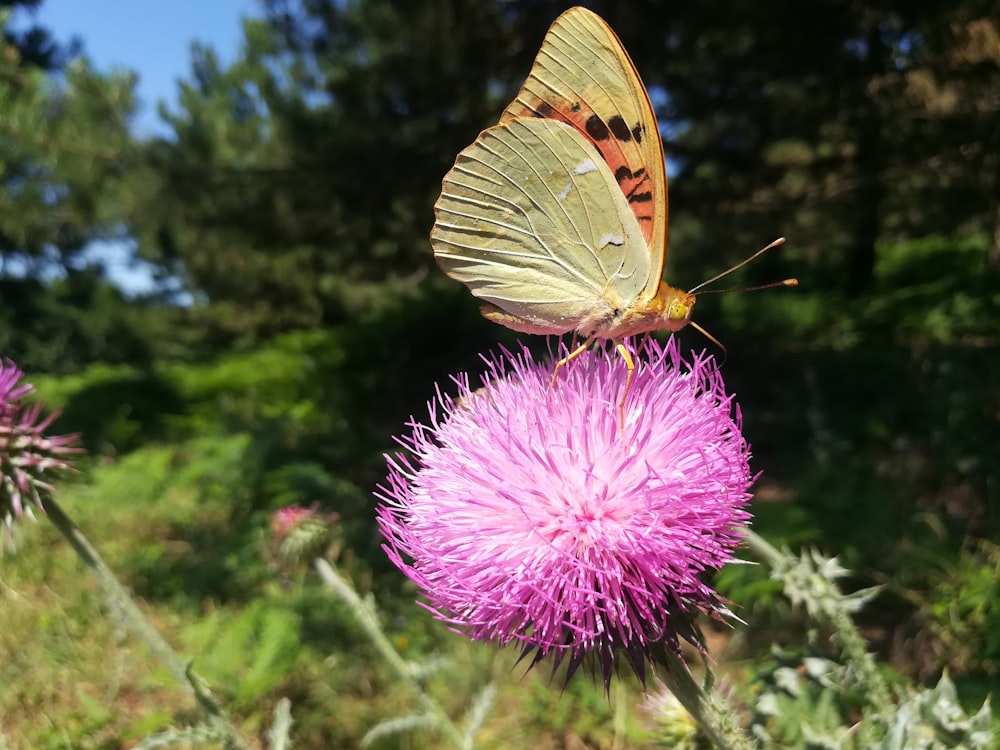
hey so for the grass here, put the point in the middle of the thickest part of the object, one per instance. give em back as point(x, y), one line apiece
point(72, 678)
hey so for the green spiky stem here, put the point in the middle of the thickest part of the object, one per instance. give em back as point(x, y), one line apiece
point(715, 717)
point(836, 615)
point(368, 619)
point(120, 598)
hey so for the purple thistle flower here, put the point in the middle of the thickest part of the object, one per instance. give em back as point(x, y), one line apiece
point(27, 457)
point(527, 514)
point(302, 532)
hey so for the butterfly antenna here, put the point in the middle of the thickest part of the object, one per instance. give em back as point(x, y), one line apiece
point(772, 285)
point(776, 243)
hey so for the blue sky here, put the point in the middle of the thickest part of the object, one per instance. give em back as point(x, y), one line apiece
point(151, 37)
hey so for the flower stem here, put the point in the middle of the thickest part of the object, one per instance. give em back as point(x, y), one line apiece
point(835, 612)
point(766, 551)
point(714, 715)
point(120, 599)
point(365, 615)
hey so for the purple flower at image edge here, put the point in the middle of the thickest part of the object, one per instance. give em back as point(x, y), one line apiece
point(528, 514)
point(28, 458)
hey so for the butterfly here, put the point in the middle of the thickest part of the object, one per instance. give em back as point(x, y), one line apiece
point(557, 216)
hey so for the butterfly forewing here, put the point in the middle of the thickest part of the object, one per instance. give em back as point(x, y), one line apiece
point(531, 219)
point(583, 76)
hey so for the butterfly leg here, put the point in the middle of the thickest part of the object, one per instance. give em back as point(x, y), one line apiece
point(572, 355)
point(628, 380)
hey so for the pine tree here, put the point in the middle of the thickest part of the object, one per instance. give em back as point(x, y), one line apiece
point(66, 151)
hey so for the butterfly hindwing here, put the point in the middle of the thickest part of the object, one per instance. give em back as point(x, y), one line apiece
point(583, 76)
point(531, 219)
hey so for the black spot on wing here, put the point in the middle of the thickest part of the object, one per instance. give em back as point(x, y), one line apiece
point(574, 107)
point(637, 133)
point(624, 173)
point(596, 128)
point(544, 109)
point(620, 129)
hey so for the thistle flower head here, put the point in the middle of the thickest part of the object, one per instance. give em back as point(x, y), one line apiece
point(302, 532)
point(28, 459)
point(671, 723)
point(527, 514)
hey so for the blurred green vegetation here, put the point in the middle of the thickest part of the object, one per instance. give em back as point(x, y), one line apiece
point(299, 321)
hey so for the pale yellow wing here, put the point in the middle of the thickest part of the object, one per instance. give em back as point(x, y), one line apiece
point(531, 219)
point(583, 76)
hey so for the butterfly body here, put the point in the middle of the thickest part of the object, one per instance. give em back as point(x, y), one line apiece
point(669, 310)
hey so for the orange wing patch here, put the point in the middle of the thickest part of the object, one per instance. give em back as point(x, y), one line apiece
point(617, 141)
point(583, 76)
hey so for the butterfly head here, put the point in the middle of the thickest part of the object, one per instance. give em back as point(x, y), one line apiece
point(677, 309)
point(675, 306)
